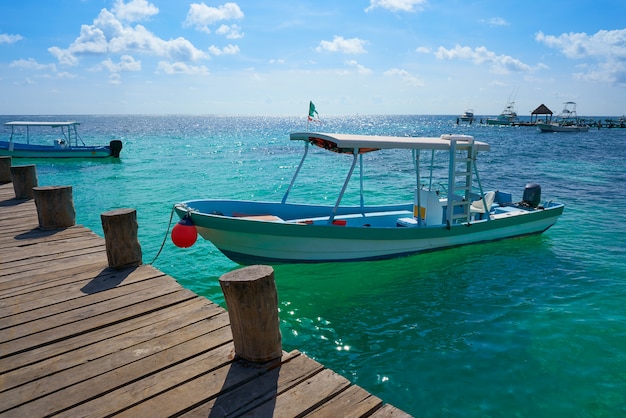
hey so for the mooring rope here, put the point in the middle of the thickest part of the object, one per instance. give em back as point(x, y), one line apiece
point(165, 237)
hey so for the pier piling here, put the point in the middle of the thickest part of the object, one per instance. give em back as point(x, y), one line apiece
point(55, 207)
point(120, 235)
point(5, 169)
point(24, 178)
point(252, 302)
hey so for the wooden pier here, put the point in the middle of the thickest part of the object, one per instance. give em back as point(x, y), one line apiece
point(78, 338)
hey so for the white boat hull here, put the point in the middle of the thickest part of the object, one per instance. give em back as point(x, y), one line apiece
point(248, 240)
point(545, 127)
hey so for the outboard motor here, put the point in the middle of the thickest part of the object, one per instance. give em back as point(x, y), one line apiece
point(532, 195)
point(116, 148)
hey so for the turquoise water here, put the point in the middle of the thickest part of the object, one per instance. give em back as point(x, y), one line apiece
point(526, 327)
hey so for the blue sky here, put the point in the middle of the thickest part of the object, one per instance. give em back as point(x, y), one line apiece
point(271, 57)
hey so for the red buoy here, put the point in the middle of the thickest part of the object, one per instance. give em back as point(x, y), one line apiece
point(184, 233)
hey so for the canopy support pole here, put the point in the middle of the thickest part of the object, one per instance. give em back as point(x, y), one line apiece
point(361, 186)
point(345, 186)
point(293, 179)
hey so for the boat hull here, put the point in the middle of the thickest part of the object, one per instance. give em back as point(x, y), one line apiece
point(499, 122)
point(559, 128)
point(18, 150)
point(252, 241)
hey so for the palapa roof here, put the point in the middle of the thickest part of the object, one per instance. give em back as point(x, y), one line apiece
point(542, 110)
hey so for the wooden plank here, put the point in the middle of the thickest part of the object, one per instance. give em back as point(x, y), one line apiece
point(72, 279)
point(25, 264)
point(390, 411)
point(196, 321)
point(138, 400)
point(304, 397)
point(13, 235)
point(198, 306)
point(115, 389)
point(294, 369)
point(18, 279)
point(74, 286)
point(13, 346)
point(71, 302)
point(352, 402)
point(52, 251)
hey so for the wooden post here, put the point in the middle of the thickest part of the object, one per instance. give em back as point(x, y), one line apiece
point(24, 178)
point(252, 303)
point(55, 207)
point(120, 235)
point(5, 169)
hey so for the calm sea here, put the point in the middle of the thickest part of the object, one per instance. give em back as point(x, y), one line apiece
point(532, 327)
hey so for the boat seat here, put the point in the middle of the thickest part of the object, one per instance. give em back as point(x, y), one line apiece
point(477, 206)
point(267, 218)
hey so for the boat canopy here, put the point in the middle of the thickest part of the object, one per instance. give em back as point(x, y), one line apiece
point(375, 142)
point(51, 124)
point(68, 130)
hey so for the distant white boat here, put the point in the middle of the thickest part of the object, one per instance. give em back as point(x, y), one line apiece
point(507, 117)
point(566, 121)
point(468, 115)
point(67, 144)
point(457, 213)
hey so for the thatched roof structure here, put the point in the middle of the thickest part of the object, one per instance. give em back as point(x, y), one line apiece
point(541, 110)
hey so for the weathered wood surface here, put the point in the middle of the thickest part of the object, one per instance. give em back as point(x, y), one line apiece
point(252, 302)
point(120, 233)
point(5, 169)
point(24, 178)
point(55, 206)
point(78, 338)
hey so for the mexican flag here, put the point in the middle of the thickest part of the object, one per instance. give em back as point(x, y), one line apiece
point(312, 111)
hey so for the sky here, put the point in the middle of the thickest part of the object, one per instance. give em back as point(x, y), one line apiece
point(350, 57)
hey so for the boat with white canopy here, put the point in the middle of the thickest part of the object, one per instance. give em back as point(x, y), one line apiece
point(61, 140)
point(566, 121)
point(459, 212)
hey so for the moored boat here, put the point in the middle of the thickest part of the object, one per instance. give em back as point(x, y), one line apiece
point(458, 213)
point(66, 144)
point(566, 121)
point(507, 117)
point(468, 116)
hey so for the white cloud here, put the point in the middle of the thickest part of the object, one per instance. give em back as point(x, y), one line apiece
point(231, 32)
point(65, 74)
point(607, 47)
point(604, 43)
point(202, 16)
point(227, 50)
point(423, 50)
point(407, 77)
point(496, 21)
point(31, 64)
point(397, 5)
point(64, 56)
point(9, 39)
point(115, 78)
point(134, 10)
point(127, 63)
point(360, 69)
point(108, 35)
point(346, 46)
point(481, 55)
point(181, 68)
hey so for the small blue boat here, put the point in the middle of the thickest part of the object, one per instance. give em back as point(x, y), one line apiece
point(67, 144)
